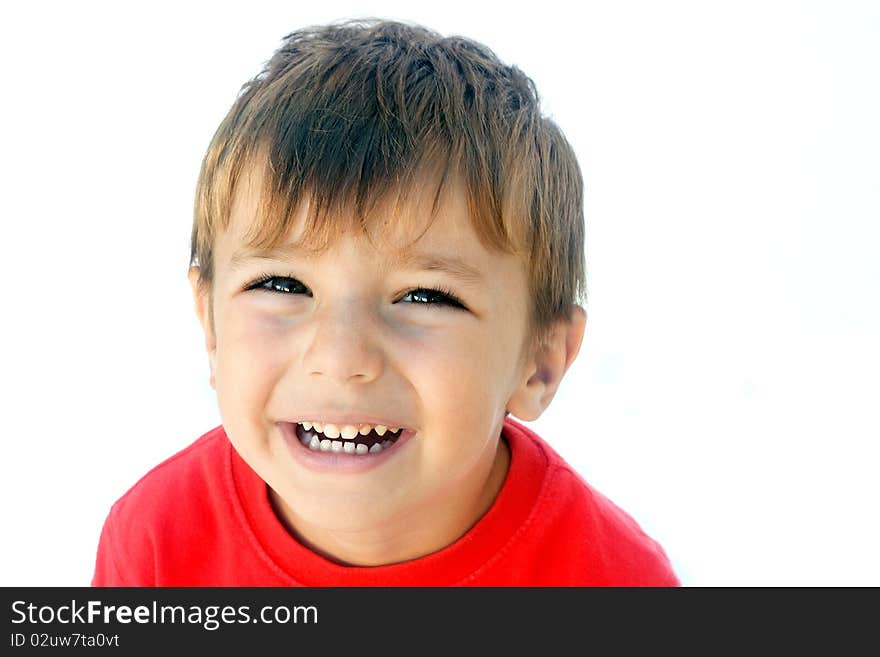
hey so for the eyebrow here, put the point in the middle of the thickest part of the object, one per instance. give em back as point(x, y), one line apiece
point(449, 264)
point(243, 256)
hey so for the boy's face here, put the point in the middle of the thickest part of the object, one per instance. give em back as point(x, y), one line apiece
point(345, 337)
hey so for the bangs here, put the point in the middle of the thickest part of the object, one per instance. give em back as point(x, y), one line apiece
point(402, 198)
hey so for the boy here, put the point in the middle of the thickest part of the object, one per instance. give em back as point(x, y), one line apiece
point(387, 255)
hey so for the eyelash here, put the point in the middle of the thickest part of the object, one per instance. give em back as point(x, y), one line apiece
point(449, 300)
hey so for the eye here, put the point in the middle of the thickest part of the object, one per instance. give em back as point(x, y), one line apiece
point(281, 284)
point(427, 296)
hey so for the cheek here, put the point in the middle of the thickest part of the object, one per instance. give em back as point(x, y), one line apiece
point(456, 377)
point(251, 356)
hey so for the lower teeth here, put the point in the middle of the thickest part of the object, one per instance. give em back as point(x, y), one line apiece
point(313, 442)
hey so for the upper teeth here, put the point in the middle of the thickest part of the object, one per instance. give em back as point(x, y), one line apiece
point(327, 442)
point(347, 431)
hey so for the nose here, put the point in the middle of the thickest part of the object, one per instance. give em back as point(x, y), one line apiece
point(343, 347)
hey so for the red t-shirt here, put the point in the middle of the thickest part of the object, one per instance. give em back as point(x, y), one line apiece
point(203, 518)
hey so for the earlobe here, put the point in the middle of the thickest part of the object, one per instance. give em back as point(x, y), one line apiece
point(548, 365)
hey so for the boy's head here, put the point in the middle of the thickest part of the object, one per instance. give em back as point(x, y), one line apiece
point(387, 231)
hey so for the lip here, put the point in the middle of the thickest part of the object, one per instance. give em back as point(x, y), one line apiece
point(338, 462)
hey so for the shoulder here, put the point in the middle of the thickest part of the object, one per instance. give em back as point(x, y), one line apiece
point(628, 556)
point(171, 505)
point(602, 543)
point(189, 471)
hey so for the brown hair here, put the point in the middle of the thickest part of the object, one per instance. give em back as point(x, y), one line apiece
point(351, 114)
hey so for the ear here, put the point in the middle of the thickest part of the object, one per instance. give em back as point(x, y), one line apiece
point(545, 368)
point(202, 300)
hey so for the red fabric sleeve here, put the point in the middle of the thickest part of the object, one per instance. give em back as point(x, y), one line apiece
point(106, 571)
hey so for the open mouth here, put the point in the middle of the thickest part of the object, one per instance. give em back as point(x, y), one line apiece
point(347, 439)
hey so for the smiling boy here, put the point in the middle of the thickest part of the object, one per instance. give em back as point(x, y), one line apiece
point(387, 257)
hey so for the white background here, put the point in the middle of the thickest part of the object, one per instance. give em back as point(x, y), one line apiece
point(727, 391)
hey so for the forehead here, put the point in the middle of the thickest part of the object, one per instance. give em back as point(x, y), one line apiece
point(403, 224)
